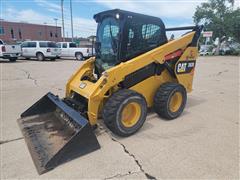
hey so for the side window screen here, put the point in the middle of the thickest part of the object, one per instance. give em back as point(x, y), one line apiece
point(142, 37)
point(130, 37)
point(150, 30)
point(108, 33)
point(130, 34)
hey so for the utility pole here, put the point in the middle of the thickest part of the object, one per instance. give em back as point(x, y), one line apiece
point(63, 21)
point(56, 34)
point(71, 18)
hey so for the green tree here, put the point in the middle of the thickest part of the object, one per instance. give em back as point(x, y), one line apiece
point(220, 17)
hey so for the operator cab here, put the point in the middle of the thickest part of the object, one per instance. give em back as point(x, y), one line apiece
point(123, 35)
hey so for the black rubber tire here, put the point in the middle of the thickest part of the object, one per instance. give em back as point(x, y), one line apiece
point(40, 56)
point(79, 56)
point(162, 99)
point(113, 108)
point(13, 59)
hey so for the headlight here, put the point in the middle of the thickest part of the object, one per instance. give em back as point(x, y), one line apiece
point(117, 16)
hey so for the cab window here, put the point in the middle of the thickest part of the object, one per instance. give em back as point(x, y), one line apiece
point(64, 45)
point(72, 45)
point(150, 31)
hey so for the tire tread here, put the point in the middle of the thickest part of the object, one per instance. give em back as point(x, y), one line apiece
point(161, 99)
point(111, 107)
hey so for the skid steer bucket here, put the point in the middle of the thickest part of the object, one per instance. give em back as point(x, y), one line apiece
point(55, 133)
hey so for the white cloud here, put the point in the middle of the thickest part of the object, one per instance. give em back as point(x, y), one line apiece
point(82, 27)
point(27, 15)
point(49, 5)
point(179, 11)
point(167, 9)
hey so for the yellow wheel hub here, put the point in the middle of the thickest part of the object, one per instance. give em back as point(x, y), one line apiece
point(175, 102)
point(131, 114)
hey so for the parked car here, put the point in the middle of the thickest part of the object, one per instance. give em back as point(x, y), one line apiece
point(70, 49)
point(226, 51)
point(229, 48)
point(40, 50)
point(11, 52)
point(205, 53)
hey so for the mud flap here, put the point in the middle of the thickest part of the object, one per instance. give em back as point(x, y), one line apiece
point(55, 133)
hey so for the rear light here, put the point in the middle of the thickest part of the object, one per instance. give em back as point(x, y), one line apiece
point(48, 50)
point(3, 49)
point(173, 55)
point(87, 50)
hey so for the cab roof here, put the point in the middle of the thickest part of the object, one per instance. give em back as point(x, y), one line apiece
point(125, 14)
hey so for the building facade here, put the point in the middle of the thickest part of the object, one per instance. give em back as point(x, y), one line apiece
point(11, 32)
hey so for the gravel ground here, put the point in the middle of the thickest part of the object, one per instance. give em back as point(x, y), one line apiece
point(202, 143)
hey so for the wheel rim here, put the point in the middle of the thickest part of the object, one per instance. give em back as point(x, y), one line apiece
point(40, 57)
point(175, 101)
point(131, 114)
point(79, 57)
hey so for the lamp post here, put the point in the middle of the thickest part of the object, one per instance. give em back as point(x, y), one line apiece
point(71, 18)
point(63, 21)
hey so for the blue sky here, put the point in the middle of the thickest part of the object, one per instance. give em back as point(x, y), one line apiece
point(173, 12)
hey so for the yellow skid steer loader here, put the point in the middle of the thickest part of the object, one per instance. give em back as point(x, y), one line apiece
point(135, 68)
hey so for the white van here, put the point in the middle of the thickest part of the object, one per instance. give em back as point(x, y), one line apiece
point(40, 50)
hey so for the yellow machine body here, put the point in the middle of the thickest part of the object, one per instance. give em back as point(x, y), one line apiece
point(97, 92)
point(136, 67)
